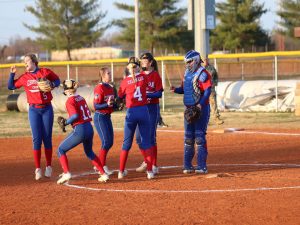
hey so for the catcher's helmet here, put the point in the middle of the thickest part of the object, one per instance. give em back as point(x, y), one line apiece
point(192, 60)
point(70, 85)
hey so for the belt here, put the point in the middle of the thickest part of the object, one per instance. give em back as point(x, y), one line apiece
point(40, 106)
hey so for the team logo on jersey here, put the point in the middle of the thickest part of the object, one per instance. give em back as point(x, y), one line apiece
point(31, 82)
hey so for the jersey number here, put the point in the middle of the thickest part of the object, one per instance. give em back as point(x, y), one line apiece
point(85, 112)
point(137, 94)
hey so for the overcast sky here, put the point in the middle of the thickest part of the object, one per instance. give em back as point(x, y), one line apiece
point(12, 16)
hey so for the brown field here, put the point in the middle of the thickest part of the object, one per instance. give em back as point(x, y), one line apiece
point(253, 179)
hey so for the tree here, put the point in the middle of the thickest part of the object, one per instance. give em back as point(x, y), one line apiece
point(161, 24)
point(289, 14)
point(67, 24)
point(238, 26)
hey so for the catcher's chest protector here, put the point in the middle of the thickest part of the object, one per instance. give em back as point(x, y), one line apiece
point(192, 92)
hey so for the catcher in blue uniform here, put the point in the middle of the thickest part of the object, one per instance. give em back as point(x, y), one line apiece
point(196, 87)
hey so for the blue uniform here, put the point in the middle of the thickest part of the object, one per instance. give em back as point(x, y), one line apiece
point(196, 132)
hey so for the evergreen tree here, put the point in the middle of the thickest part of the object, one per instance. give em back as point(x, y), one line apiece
point(67, 24)
point(290, 16)
point(238, 26)
point(161, 25)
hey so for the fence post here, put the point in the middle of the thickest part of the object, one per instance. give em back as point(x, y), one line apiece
point(276, 80)
point(76, 73)
point(68, 72)
point(163, 78)
point(112, 71)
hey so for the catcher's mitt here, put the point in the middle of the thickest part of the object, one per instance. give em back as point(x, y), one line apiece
point(44, 85)
point(191, 114)
point(62, 123)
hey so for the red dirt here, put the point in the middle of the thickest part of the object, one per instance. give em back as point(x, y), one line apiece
point(26, 201)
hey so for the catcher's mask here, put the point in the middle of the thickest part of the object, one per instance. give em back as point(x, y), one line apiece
point(192, 60)
point(70, 85)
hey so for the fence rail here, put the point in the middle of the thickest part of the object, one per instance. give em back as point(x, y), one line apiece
point(242, 66)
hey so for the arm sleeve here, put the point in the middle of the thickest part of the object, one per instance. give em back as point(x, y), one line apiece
point(55, 83)
point(156, 94)
point(179, 90)
point(10, 83)
point(205, 96)
point(100, 106)
point(72, 119)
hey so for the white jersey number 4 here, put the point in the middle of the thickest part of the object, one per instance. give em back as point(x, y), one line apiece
point(137, 94)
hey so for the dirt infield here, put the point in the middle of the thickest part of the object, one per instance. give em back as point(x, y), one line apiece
point(253, 179)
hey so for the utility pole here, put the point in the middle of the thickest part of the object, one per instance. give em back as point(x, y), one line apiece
point(136, 30)
point(201, 19)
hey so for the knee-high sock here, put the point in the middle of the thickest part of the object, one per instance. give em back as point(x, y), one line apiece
point(48, 154)
point(123, 160)
point(63, 159)
point(37, 158)
point(102, 156)
point(96, 162)
point(147, 153)
point(154, 155)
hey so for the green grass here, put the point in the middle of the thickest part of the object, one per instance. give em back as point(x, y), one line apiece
point(15, 124)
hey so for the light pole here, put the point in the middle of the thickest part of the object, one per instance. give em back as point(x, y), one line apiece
point(136, 30)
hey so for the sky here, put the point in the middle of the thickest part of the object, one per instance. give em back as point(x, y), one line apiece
point(13, 15)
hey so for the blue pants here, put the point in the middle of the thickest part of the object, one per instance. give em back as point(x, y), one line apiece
point(196, 133)
point(137, 116)
point(104, 129)
point(82, 133)
point(154, 116)
point(41, 123)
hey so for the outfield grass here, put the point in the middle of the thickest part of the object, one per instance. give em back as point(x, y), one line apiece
point(15, 124)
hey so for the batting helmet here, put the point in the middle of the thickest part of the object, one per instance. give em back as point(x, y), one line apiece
point(192, 60)
point(134, 60)
point(70, 85)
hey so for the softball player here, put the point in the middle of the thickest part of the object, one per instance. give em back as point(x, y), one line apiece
point(40, 113)
point(103, 104)
point(154, 92)
point(196, 88)
point(80, 118)
point(133, 87)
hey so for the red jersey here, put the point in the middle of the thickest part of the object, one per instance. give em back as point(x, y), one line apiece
point(102, 92)
point(77, 105)
point(154, 85)
point(135, 92)
point(29, 82)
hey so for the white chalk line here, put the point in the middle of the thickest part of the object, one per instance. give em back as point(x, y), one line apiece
point(192, 191)
point(234, 131)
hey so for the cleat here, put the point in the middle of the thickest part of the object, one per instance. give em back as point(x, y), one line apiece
point(64, 177)
point(103, 178)
point(201, 171)
point(187, 171)
point(107, 171)
point(123, 174)
point(142, 167)
point(219, 121)
point(38, 173)
point(48, 171)
point(150, 175)
point(155, 169)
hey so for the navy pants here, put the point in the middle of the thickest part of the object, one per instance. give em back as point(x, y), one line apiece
point(104, 129)
point(195, 133)
point(137, 116)
point(41, 123)
point(154, 116)
point(82, 133)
